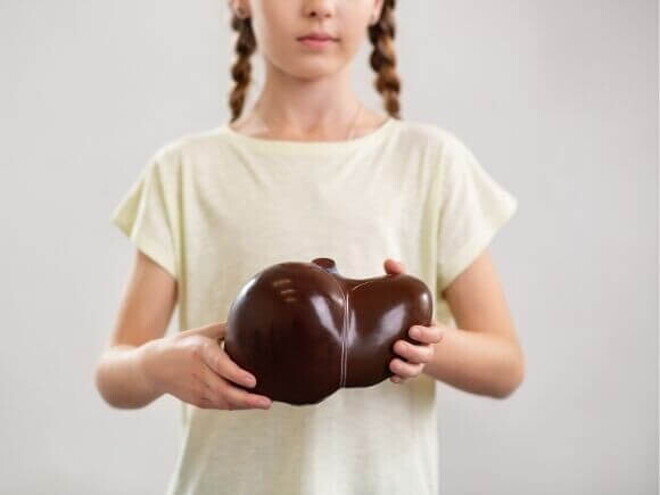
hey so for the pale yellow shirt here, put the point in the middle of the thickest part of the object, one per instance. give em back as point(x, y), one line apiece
point(215, 207)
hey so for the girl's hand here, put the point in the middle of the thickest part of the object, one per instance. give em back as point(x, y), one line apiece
point(416, 355)
point(193, 366)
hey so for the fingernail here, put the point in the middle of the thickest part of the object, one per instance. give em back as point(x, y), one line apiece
point(415, 332)
point(250, 381)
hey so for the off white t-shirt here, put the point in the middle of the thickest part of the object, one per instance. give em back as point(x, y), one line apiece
point(215, 207)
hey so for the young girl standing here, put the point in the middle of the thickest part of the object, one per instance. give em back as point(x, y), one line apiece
point(309, 172)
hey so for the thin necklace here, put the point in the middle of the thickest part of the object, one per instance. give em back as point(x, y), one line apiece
point(350, 130)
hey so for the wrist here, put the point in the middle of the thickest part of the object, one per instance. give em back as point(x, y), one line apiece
point(145, 358)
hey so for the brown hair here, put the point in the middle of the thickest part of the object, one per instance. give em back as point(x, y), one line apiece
point(382, 61)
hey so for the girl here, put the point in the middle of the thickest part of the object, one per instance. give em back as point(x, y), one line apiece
point(309, 172)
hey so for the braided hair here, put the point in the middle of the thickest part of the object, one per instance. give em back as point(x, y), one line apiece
point(382, 60)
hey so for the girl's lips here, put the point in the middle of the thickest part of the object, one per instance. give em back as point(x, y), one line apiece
point(316, 42)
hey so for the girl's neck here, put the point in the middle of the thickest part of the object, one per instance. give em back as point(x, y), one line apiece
point(254, 125)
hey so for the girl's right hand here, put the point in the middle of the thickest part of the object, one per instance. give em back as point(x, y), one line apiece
point(193, 366)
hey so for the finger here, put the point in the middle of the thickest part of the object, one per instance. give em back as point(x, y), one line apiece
point(406, 370)
point(393, 267)
point(219, 361)
point(397, 379)
point(241, 399)
point(427, 335)
point(414, 353)
point(227, 396)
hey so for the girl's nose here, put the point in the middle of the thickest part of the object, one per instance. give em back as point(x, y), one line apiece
point(319, 8)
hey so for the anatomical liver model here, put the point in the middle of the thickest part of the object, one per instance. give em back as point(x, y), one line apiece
point(304, 331)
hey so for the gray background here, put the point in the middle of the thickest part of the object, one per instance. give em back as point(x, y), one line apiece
point(557, 99)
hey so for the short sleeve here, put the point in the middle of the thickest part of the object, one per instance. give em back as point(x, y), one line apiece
point(145, 215)
point(473, 208)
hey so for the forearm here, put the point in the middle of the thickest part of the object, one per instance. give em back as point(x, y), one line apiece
point(121, 380)
point(476, 362)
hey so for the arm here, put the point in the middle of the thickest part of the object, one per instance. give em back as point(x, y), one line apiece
point(483, 354)
point(143, 317)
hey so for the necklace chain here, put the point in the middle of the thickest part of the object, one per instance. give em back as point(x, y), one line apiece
point(350, 130)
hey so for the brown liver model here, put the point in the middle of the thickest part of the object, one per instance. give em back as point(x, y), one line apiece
point(304, 331)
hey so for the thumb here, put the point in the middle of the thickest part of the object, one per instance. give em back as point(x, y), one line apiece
point(215, 330)
point(393, 267)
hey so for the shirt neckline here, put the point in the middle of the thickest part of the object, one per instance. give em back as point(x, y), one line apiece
point(286, 146)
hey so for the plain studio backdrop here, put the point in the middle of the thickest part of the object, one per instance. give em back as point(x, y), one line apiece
point(559, 101)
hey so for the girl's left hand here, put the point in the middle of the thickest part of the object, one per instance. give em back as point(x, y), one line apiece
point(416, 355)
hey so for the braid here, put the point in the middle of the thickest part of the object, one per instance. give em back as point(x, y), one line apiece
point(241, 70)
point(383, 59)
